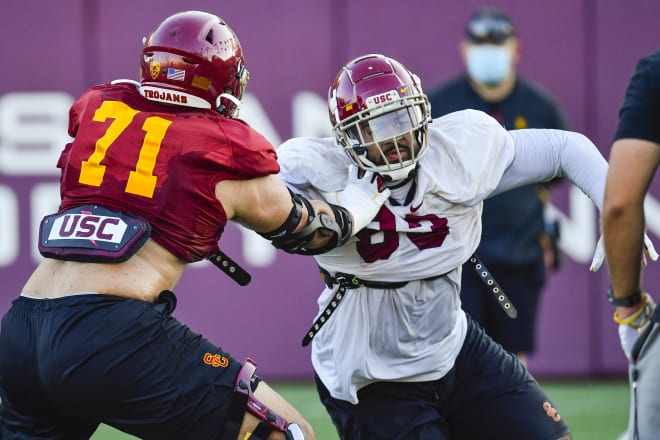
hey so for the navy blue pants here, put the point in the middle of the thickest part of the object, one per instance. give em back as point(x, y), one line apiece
point(487, 395)
point(68, 364)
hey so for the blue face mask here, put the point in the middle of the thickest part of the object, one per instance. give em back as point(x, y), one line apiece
point(488, 63)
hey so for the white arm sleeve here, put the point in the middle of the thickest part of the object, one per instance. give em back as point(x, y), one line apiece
point(310, 165)
point(543, 154)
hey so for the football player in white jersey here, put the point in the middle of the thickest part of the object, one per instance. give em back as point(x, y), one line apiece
point(394, 354)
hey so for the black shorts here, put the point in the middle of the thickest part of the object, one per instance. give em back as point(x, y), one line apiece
point(487, 395)
point(68, 364)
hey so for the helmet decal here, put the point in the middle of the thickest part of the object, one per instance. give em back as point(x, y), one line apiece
point(374, 101)
point(176, 74)
point(154, 69)
point(201, 82)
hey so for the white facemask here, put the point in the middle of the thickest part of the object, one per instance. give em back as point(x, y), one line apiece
point(488, 63)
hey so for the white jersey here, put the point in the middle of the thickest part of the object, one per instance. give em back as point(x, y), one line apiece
point(414, 333)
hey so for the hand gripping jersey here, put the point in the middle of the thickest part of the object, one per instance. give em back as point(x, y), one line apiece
point(158, 162)
point(415, 332)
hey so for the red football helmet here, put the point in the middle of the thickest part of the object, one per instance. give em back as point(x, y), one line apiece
point(376, 102)
point(194, 59)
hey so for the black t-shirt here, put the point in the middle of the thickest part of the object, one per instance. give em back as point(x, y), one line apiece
point(639, 117)
point(512, 221)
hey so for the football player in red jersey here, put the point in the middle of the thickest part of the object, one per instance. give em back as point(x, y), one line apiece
point(155, 171)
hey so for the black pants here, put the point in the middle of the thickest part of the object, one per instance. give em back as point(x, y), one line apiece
point(70, 363)
point(487, 395)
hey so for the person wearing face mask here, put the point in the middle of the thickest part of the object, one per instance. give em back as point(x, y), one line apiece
point(518, 245)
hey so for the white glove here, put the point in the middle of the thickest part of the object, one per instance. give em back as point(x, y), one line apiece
point(650, 250)
point(627, 336)
point(599, 253)
point(631, 327)
point(360, 197)
point(599, 256)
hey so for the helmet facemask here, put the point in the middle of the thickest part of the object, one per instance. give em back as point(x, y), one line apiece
point(232, 107)
point(387, 138)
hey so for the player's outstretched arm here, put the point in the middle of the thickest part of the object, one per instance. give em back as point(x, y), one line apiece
point(544, 154)
point(292, 222)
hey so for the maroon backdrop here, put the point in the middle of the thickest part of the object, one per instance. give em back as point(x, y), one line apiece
point(582, 51)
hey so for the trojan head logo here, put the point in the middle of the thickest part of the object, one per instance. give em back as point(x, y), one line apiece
point(154, 68)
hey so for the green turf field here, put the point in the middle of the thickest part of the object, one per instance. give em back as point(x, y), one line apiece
point(595, 410)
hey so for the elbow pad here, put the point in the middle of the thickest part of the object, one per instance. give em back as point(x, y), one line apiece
point(339, 229)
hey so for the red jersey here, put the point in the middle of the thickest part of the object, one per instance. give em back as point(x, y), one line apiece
point(159, 162)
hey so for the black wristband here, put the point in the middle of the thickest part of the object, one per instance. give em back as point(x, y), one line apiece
point(628, 301)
